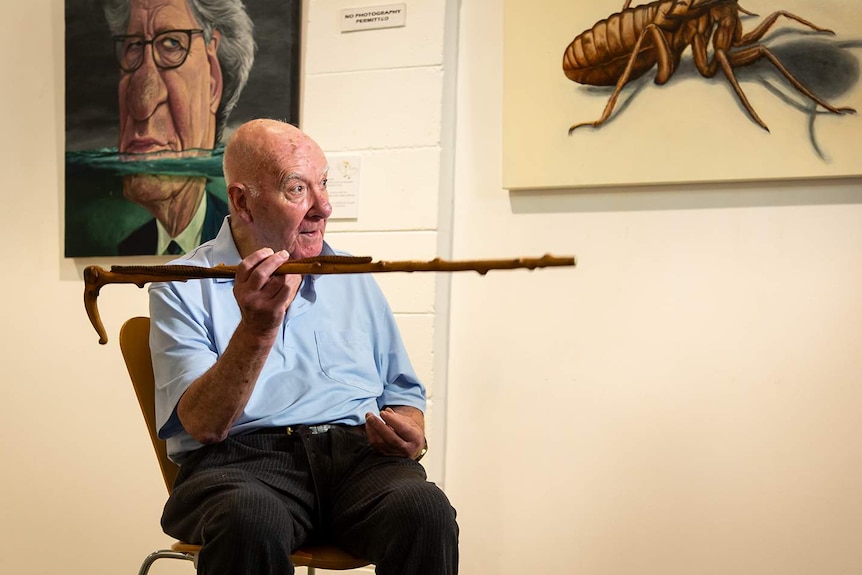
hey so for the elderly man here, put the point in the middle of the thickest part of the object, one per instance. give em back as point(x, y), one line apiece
point(289, 402)
point(183, 64)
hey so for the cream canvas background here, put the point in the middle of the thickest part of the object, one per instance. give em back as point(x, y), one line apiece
point(689, 130)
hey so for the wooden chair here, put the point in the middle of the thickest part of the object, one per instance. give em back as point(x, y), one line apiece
point(135, 345)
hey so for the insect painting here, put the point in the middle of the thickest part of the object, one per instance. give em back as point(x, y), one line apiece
point(628, 44)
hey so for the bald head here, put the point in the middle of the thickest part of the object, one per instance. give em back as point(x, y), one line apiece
point(276, 184)
point(255, 147)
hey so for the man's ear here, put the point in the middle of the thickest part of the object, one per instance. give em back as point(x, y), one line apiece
point(238, 195)
point(216, 78)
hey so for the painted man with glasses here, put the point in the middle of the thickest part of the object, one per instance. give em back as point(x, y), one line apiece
point(183, 64)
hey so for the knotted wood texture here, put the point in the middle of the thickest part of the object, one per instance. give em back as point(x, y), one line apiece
point(95, 277)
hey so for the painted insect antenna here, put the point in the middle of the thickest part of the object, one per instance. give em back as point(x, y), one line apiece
point(746, 12)
point(704, 4)
point(688, 9)
point(676, 7)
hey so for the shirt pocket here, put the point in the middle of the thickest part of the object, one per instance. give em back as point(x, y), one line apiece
point(347, 357)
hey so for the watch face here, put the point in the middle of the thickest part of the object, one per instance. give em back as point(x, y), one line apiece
point(423, 452)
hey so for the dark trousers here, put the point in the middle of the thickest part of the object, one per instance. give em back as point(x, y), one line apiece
point(252, 500)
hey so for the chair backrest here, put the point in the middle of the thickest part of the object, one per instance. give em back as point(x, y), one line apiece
point(135, 345)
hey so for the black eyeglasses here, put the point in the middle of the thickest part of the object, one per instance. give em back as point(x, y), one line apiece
point(170, 49)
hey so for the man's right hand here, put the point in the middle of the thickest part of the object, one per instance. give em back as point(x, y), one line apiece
point(263, 298)
point(214, 401)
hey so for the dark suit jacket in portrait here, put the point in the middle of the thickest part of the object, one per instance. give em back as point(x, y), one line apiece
point(142, 241)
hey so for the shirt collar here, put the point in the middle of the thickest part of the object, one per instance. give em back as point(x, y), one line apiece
point(224, 250)
point(190, 237)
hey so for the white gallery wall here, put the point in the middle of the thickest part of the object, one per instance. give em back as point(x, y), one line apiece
point(684, 401)
point(80, 489)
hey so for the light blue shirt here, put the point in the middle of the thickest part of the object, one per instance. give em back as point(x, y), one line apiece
point(339, 354)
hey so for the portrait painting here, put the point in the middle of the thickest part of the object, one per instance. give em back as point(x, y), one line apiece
point(601, 93)
point(153, 90)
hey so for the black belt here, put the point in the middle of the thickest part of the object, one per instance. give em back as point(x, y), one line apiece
point(311, 429)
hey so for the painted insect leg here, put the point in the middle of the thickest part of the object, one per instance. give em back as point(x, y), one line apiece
point(727, 61)
point(665, 63)
point(726, 67)
point(752, 54)
point(767, 23)
point(709, 68)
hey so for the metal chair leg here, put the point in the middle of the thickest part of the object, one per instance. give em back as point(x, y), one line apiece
point(165, 554)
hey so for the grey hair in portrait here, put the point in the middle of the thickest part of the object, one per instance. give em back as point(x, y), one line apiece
point(236, 48)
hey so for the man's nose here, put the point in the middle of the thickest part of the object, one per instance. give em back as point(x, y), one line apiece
point(320, 208)
point(146, 89)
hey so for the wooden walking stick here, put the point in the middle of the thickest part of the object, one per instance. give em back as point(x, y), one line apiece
point(95, 277)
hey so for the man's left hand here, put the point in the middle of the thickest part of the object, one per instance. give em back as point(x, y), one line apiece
point(399, 431)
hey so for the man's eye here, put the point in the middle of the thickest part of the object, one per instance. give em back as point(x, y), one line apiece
point(133, 46)
point(170, 44)
point(324, 182)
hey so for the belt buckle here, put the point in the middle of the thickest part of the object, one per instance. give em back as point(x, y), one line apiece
point(312, 429)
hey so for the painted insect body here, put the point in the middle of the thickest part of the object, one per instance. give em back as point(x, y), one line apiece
point(626, 45)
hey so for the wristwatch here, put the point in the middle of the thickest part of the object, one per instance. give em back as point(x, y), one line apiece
point(423, 451)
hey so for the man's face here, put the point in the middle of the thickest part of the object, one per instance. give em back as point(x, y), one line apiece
point(169, 110)
point(291, 208)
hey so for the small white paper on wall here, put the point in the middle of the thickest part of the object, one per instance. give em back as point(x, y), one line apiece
point(374, 17)
point(343, 186)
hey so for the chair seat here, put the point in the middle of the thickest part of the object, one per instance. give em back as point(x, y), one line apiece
point(320, 556)
point(134, 343)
